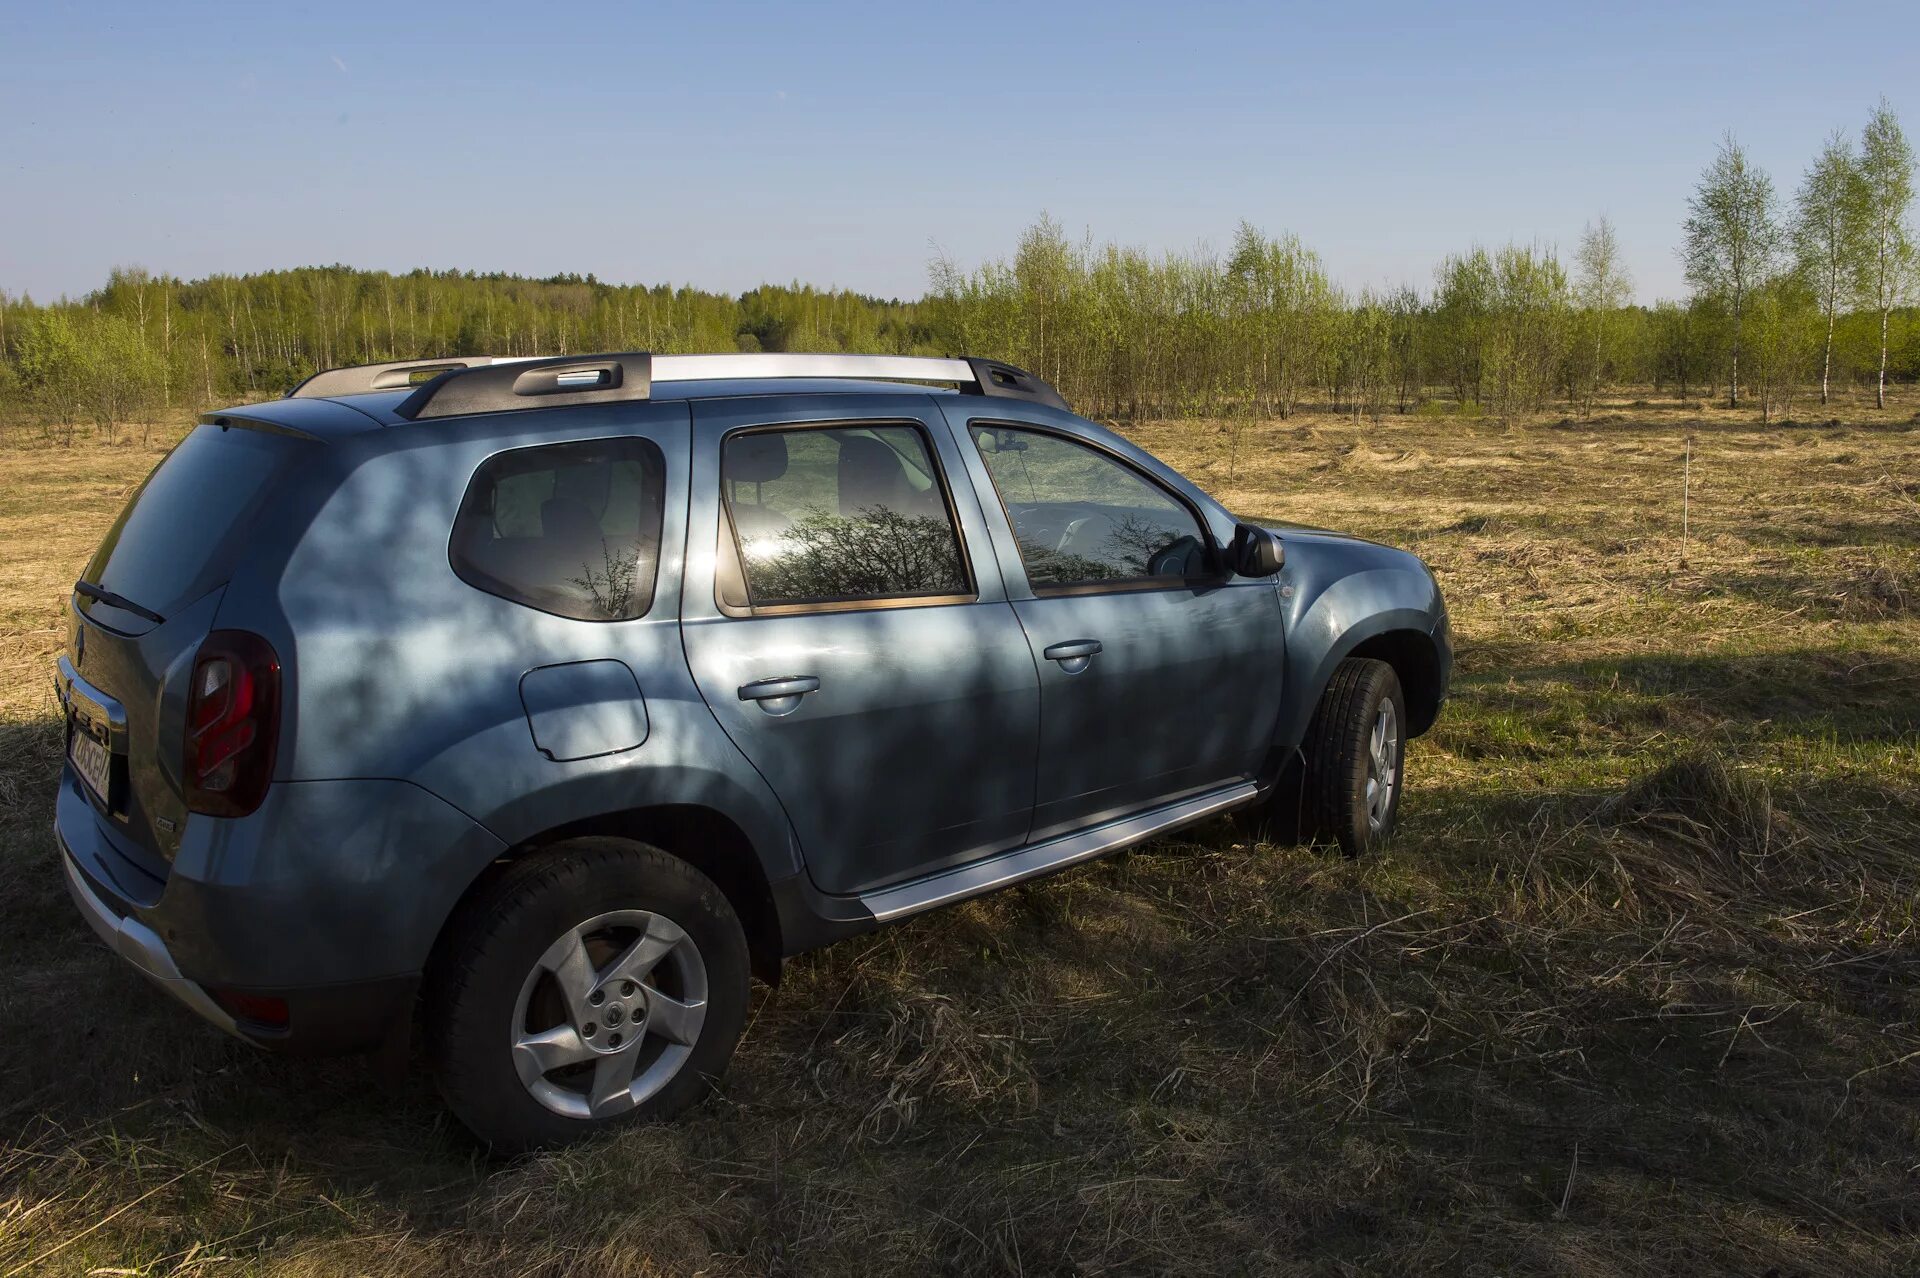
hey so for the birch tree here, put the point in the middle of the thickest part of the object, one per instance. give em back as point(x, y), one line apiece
point(1733, 239)
point(1829, 241)
point(1886, 175)
point(1602, 288)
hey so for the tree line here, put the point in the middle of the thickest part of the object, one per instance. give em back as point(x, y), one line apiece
point(1784, 300)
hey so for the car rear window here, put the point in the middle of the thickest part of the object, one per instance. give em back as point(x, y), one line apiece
point(180, 534)
point(571, 529)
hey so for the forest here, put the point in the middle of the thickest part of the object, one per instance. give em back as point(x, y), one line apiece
point(1792, 301)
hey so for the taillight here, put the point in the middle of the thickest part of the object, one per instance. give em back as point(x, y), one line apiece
point(233, 723)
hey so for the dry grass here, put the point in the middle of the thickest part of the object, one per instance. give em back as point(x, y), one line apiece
point(1636, 992)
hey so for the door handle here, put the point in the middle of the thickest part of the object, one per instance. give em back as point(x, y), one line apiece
point(1074, 655)
point(780, 695)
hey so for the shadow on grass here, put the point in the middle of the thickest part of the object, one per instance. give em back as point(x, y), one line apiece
point(1655, 1026)
point(1654, 1029)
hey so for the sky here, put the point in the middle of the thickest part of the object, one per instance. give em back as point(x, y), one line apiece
point(846, 144)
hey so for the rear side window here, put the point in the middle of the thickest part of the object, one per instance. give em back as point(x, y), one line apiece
point(571, 529)
point(838, 515)
point(181, 533)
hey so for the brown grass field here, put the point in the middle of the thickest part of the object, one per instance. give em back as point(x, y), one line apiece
point(1634, 992)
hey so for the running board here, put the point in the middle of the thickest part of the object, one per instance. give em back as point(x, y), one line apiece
point(1044, 858)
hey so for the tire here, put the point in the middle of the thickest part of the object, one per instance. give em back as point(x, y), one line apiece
point(1358, 729)
point(594, 956)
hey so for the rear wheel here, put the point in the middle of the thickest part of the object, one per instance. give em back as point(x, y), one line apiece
point(598, 983)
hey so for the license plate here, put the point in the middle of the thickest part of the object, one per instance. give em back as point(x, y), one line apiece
point(91, 760)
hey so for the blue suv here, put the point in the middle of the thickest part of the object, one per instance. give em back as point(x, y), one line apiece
point(542, 703)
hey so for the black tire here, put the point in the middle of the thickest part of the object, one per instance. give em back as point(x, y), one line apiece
point(474, 986)
point(1334, 799)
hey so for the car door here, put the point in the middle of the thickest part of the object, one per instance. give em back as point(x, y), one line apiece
point(850, 629)
point(1159, 670)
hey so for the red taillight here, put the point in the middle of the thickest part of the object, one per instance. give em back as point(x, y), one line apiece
point(233, 722)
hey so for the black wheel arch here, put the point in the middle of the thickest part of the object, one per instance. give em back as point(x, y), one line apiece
point(1415, 658)
point(1403, 639)
point(703, 837)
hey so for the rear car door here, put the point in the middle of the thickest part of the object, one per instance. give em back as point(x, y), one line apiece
point(1159, 669)
point(844, 617)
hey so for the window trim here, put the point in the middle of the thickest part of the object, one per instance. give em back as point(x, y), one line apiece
point(485, 582)
point(731, 560)
point(1125, 585)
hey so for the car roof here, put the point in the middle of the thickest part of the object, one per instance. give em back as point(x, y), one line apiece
point(336, 416)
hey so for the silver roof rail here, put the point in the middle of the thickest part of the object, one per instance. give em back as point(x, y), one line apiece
point(486, 385)
point(885, 368)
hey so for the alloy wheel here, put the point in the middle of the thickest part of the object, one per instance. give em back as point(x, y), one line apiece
point(1383, 766)
point(609, 1014)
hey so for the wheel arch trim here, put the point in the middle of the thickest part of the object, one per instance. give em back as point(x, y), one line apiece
point(715, 827)
point(1402, 637)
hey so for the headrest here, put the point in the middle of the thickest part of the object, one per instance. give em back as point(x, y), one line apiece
point(754, 459)
point(871, 474)
point(590, 484)
point(567, 519)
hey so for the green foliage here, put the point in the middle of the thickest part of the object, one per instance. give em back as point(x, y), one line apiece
point(53, 366)
point(1784, 329)
point(1598, 350)
point(1885, 271)
point(1681, 345)
point(145, 344)
point(1286, 318)
point(1733, 240)
point(1829, 236)
point(1122, 332)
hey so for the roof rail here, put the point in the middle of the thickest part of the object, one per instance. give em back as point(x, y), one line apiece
point(358, 379)
point(480, 385)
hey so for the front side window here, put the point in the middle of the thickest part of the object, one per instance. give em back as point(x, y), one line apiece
point(1083, 518)
point(571, 529)
point(838, 514)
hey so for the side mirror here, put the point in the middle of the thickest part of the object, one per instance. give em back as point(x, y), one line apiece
point(1256, 552)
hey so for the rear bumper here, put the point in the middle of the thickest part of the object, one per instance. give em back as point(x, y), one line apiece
point(328, 1020)
point(329, 900)
point(139, 945)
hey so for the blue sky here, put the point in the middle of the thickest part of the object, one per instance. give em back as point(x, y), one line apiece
point(844, 144)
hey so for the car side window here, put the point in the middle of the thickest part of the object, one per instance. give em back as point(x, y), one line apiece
point(836, 515)
point(571, 529)
point(1084, 518)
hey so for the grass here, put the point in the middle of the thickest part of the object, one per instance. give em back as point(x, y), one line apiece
point(1636, 991)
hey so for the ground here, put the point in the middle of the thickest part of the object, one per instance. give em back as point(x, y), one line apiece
point(1633, 992)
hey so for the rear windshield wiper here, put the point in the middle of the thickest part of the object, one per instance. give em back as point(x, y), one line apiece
point(106, 596)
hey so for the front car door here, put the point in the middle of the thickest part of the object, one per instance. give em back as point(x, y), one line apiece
point(850, 630)
point(1160, 671)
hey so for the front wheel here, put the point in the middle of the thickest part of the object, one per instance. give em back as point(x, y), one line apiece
point(1347, 787)
point(1355, 751)
point(599, 982)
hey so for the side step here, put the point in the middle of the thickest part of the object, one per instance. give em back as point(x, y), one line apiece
point(1055, 854)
